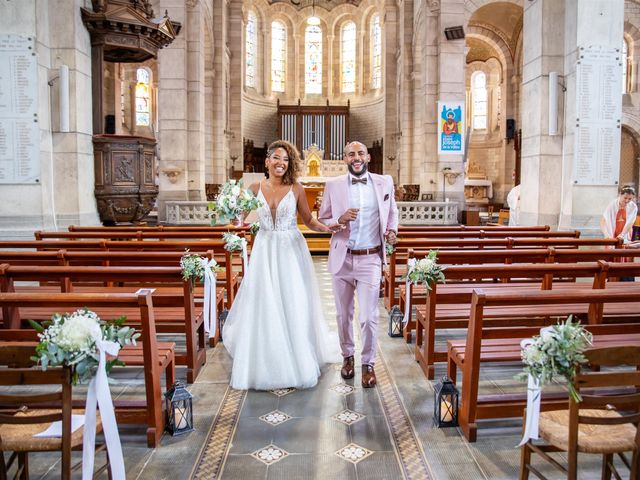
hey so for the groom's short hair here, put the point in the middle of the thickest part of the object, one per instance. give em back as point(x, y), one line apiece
point(344, 151)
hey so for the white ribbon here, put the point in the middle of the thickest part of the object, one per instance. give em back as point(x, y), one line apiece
point(534, 394)
point(99, 394)
point(245, 256)
point(407, 296)
point(209, 313)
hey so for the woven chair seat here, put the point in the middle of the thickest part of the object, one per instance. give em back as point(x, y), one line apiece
point(20, 438)
point(602, 439)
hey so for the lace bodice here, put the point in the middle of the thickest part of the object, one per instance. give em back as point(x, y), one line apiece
point(286, 213)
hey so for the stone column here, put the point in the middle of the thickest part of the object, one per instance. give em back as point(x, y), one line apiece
point(234, 71)
point(451, 86)
point(219, 92)
point(390, 47)
point(173, 136)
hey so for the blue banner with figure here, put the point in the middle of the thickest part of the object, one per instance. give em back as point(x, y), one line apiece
point(451, 128)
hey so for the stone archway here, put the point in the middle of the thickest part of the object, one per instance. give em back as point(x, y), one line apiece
point(629, 158)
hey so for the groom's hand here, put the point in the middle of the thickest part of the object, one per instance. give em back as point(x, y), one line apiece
point(390, 237)
point(350, 215)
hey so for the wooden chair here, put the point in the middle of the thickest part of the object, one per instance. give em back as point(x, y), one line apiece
point(604, 423)
point(23, 415)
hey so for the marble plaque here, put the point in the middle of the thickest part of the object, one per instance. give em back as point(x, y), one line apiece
point(19, 128)
point(598, 116)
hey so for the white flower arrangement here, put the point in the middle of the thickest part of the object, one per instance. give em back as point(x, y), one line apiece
point(254, 228)
point(193, 267)
point(427, 271)
point(389, 249)
point(232, 202)
point(232, 242)
point(70, 340)
point(557, 352)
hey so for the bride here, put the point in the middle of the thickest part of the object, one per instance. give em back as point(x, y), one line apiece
point(275, 330)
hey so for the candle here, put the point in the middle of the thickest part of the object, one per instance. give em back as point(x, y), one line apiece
point(445, 411)
point(181, 419)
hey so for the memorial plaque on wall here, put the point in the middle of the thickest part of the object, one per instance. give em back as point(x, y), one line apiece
point(598, 116)
point(19, 128)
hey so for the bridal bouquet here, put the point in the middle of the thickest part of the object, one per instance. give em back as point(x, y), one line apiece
point(70, 340)
point(232, 242)
point(232, 202)
point(557, 352)
point(194, 267)
point(427, 271)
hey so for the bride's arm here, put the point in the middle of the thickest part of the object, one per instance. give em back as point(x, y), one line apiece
point(305, 213)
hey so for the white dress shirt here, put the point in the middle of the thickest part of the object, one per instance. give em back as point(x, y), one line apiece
point(365, 229)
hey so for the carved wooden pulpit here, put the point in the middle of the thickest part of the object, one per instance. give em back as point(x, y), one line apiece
point(123, 31)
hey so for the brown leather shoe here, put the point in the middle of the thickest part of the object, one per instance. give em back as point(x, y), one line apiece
point(368, 376)
point(347, 371)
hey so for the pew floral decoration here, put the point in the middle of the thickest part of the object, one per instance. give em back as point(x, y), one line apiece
point(254, 228)
point(232, 202)
point(426, 271)
point(194, 267)
point(232, 242)
point(74, 339)
point(389, 249)
point(556, 353)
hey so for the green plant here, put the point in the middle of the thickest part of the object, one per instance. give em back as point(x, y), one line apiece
point(427, 271)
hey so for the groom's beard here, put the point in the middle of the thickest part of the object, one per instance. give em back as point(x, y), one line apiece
point(365, 168)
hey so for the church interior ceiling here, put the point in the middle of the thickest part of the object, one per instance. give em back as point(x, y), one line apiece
point(504, 19)
point(326, 4)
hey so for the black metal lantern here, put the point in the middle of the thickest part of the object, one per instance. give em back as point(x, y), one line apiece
point(221, 319)
point(445, 407)
point(179, 409)
point(395, 321)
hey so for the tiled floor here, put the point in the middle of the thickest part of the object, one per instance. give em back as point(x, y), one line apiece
point(336, 430)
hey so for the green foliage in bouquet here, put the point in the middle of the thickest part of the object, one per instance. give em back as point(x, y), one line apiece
point(427, 271)
point(232, 242)
point(389, 249)
point(254, 228)
point(70, 340)
point(193, 267)
point(557, 353)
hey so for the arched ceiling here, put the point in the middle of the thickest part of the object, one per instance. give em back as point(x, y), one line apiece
point(326, 4)
point(504, 19)
point(479, 51)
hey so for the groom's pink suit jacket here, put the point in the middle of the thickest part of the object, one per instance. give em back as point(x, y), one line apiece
point(335, 201)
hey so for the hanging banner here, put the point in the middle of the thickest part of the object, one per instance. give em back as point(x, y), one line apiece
point(451, 128)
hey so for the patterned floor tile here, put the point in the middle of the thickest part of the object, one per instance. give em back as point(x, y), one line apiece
point(281, 392)
point(348, 417)
point(353, 453)
point(269, 454)
point(275, 418)
point(343, 389)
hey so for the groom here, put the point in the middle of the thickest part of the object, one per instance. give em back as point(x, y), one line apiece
point(364, 203)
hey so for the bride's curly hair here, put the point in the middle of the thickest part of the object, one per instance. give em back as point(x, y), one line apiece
point(294, 168)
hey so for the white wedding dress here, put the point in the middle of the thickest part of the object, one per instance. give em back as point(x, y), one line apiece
point(275, 330)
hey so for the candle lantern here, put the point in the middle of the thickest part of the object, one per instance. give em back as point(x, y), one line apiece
point(395, 322)
point(179, 409)
point(445, 408)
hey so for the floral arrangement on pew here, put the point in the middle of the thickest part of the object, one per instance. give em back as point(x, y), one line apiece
point(556, 353)
point(389, 249)
point(426, 270)
point(194, 267)
point(232, 202)
point(232, 242)
point(254, 228)
point(72, 340)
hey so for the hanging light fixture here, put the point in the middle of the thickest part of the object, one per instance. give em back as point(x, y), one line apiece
point(313, 20)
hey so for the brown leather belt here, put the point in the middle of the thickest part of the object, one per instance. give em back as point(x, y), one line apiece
point(366, 251)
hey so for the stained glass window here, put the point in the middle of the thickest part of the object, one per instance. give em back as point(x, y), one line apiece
point(278, 56)
point(625, 65)
point(251, 44)
point(348, 53)
point(479, 98)
point(313, 59)
point(143, 98)
point(376, 52)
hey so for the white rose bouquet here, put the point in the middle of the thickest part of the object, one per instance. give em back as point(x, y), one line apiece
point(70, 340)
point(232, 202)
point(193, 267)
point(427, 271)
point(232, 242)
point(557, 352)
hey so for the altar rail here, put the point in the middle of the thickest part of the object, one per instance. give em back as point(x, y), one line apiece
point(427, 213)
point(188, 213)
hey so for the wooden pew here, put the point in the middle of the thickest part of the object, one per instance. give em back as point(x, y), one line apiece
point(227, 276)
point(154, 356)
point(502, 344)
point(175, 306)
point(133, 235)
point(396, 262)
